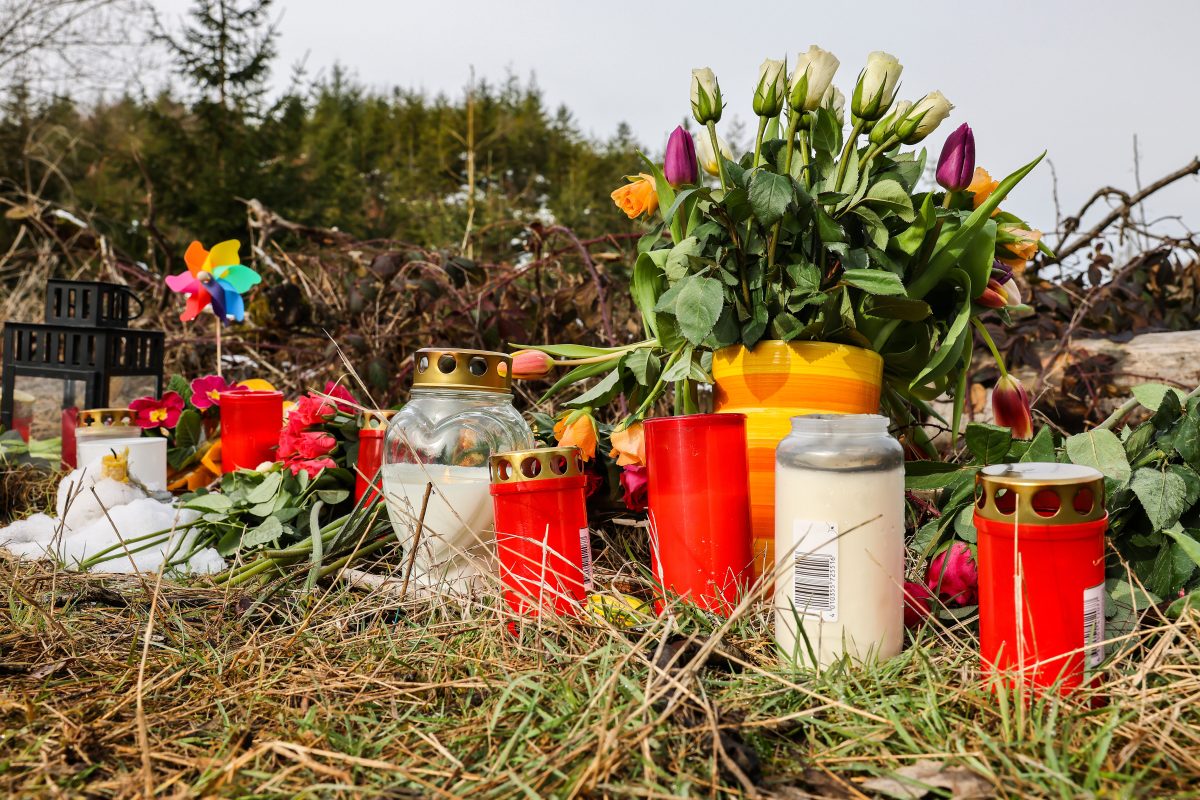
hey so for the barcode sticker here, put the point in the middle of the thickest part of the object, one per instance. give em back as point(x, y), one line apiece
point(815, 569)
point(585, 554)
point(1093, 625)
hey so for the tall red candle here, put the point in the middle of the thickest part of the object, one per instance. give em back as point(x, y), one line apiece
point(542, 536)
point(699, 505)
point(1041, 573)
point(250, 425)
point(370, 453)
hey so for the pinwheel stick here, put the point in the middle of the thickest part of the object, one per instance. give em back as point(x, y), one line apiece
point(219, 326)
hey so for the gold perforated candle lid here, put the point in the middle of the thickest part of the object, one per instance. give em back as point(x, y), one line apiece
point(539, 464)
point(98, 421)
point(1037, 493)
point(377, 420)
point(452, 368)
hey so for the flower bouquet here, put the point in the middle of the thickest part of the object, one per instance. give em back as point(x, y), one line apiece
point(818, 234)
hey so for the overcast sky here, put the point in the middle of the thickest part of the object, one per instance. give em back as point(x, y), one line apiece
point(1077, 78)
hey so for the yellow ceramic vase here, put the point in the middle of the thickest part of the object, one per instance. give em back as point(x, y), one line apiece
point(773, 383)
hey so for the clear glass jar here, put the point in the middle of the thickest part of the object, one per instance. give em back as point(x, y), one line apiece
point(460, 412)
point(839, 540)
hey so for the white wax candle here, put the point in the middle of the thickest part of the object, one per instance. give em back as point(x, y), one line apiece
point(147, 457)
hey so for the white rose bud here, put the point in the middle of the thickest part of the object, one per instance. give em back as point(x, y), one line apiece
point(886, 127)
point(835, 101)
point(876, 88)
point(811, 78)
point(704, 153)
point(921, 120)
point(772, 88)
point(706, 96)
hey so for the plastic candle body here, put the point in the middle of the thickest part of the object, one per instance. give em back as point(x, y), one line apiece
point(1041, 573)
point(542, 538)
point(699, 503)
point(370, 454)
point(147, 457)
point(839, 540)
point(250, 425)
point(459, 414)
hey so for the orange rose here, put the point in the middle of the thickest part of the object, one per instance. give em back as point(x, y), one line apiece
point(577, 429)
point(629, 446)
point(1024, 249)
point(981, 186)
point(638, 197)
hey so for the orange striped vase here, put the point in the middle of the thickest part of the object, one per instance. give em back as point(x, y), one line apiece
point(773, 383)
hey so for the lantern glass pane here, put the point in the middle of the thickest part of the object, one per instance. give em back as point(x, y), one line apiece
point(124, 389)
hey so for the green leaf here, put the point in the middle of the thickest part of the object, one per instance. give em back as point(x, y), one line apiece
point(680, 369)
point(945, 358)
point(919, 475)
point(1100, 449)
point(1187, 542)
point(268, 531)
point(827, 133)
point(1042, 447)
point(978, 257)
point(679, 262)
point(874, 281)
point(569, 350)
point(897, 308)
point(889, 195)
point(580, 373)
point(1162, 494)
point(827, 229)
point(266, 490)
point(910, 240)
point(988, 443)
point(698, 306)
point(644, 365)
point(805, 277)
point(1187, 438)
point(331, 497)
point(770, 194)
point(188, 429)
point(599, 394)
point(646, 285)
point(209, 502)
point(873, 226)
point(1151, 394)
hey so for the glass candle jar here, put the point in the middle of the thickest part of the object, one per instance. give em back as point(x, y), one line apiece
point(459, 414)
point(839, 539)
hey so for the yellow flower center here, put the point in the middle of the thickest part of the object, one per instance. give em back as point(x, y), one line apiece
point(158, 415)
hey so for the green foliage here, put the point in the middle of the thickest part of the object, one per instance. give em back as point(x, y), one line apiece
point(1152, 487)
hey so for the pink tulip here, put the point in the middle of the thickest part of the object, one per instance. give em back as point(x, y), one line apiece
point(1010, 406)
point(531, 364)
point(918, 604)
point(953, 576)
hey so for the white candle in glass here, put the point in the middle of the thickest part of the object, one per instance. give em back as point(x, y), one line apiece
point(147, 457)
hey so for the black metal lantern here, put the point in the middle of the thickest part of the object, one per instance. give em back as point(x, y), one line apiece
point(85, 339)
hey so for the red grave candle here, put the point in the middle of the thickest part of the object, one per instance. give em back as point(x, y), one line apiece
point(250, 425)
point(699, 504)
point(542, 536)
point(1041, 573)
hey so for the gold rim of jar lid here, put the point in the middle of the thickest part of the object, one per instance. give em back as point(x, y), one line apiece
point(455, 368)
point(377, 420)
point(104, 418)
point(538, 464)
point(1037, 493)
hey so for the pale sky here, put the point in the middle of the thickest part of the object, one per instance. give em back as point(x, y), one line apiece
point(1076, 78)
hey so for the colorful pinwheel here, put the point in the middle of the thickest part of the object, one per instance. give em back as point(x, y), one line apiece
point(214, 277)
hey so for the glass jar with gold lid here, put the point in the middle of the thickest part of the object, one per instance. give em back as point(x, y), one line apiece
point(459, 414)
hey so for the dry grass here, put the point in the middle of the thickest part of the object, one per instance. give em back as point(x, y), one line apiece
point(119, 687)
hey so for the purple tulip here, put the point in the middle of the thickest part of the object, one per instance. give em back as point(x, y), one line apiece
point(679, 165)
point(956, 165)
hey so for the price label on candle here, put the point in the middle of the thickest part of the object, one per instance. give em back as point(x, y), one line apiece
point(585, 554)
point(815, 568)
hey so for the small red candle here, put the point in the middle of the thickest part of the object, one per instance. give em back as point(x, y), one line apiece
point(250, 425)
point(699, 503)
point(1041, 573)
point(370, 454)
point(542, 536)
